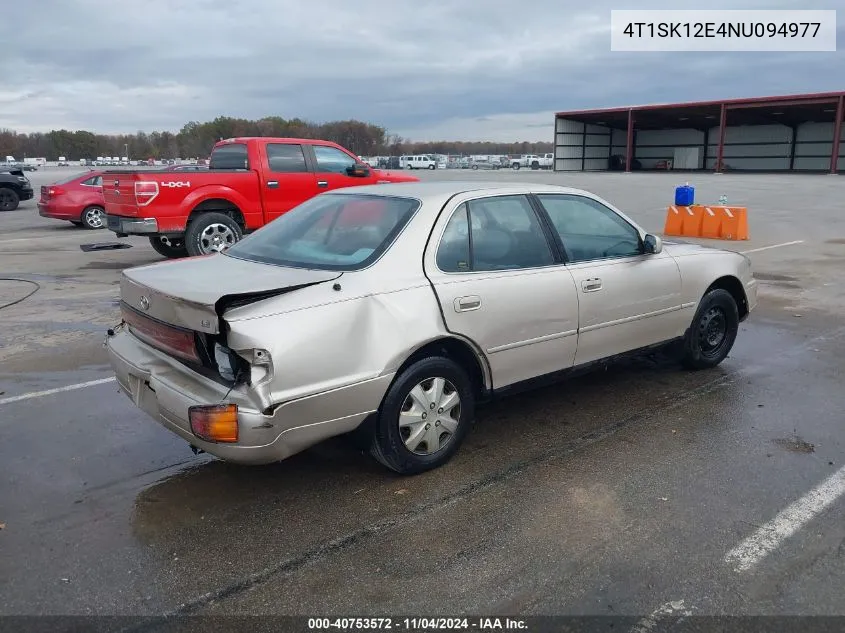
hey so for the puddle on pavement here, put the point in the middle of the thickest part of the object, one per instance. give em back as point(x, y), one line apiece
point(105, 266)
point(839, 240)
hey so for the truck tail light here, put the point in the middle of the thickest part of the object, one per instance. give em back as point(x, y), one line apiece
point(145, 192)
point(214, 422)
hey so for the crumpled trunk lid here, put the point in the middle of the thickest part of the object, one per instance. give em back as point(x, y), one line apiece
point(194, 293)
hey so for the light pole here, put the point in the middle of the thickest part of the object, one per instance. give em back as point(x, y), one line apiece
point(126, 150)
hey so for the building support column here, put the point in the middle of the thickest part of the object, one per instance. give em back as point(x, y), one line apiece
point(792, 144)
point(837, 135)
point(720, 152)
point(584, 149)
point(629, 146)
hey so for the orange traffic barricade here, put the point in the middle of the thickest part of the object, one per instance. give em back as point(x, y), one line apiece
point(712, 222)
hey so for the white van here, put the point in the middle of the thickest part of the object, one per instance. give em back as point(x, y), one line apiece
point(420, 161)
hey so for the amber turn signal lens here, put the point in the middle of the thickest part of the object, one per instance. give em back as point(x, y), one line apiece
point(214, 422)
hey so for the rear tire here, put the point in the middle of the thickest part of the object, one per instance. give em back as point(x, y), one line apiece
point(9, 199)
point(93, 218)
point(210, 232)
point(515, 166)
point(171, 250)
point(424, 416)
point(713, 330)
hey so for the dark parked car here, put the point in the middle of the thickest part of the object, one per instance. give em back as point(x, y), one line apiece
point(14, 187)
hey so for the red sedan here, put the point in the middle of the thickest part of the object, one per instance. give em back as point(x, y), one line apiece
point(78, 200)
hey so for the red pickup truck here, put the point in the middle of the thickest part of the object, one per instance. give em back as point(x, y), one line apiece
point(249, 182)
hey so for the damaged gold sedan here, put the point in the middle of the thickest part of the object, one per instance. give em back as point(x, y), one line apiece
point(392, 310)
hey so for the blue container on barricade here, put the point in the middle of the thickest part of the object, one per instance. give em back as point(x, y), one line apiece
point(684, 195)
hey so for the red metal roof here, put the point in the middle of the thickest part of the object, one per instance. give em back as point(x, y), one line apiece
point(748, 101)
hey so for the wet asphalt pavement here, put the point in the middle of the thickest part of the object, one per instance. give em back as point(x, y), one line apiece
point(611, 494)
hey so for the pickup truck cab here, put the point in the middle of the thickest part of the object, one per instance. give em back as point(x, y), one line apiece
point(249, 182)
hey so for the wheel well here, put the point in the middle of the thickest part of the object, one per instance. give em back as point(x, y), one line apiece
point(457, 351)
point(733, 286)
point(220, 206)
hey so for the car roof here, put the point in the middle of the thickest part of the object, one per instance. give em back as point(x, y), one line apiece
point(441, 188)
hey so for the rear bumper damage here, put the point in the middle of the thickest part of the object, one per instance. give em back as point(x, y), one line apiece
point(165, 389)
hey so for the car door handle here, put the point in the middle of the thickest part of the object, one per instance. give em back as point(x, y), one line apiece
point(273, 184)
point(466, 304)
point(322, 183)
point(591, 285)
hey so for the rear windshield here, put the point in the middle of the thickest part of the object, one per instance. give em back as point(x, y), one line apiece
point(229, 156)
point(70, 179)
point(329, 232)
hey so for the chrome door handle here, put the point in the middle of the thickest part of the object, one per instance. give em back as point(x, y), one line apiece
point(322, 183)
point(273, 184)
point(591, 285)
point(466, 304)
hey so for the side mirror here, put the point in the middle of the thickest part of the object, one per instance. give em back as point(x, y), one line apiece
point(652, 244)
point(358, 170)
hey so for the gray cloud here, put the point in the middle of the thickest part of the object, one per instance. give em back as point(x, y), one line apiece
point(422, 68)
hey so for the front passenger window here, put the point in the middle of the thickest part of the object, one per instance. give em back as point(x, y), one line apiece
point(588, 229)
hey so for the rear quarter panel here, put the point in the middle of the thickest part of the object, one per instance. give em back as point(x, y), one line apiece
point(321, 339)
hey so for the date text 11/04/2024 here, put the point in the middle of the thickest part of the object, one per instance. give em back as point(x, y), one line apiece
point(721, 29)
point(417, 624)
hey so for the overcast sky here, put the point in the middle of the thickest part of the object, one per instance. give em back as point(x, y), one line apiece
point(425, 69)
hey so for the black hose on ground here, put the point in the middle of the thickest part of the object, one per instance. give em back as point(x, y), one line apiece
point(24, 298)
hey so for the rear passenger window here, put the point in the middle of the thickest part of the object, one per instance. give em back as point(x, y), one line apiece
point(286, 158)
point(453, 251)
point(506, 235)
point(229, 156)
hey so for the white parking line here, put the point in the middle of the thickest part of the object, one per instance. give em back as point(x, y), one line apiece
point(765, 248)
point(50, 392)
point(769, 536)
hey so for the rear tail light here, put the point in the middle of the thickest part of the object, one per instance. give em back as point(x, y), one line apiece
point(145, 192)
point(214, 422)
point(51, 192)
point(174, 341)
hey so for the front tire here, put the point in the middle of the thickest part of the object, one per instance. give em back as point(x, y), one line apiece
point(211, 232)
point(424, 416)
point(172, 249)
point(515, 166)
point(713, 331)
point(9, 199)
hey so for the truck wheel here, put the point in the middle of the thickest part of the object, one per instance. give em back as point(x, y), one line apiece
point(211, 233)
point(432, 166)
point(515, 166)
point(9, 199)
point(535, 165)
point(93, 218)
point(172, 249)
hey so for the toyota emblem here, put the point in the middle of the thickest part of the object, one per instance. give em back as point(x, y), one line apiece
point(145, 303)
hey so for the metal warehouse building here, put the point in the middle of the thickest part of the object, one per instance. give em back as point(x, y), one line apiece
point(790, 133)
